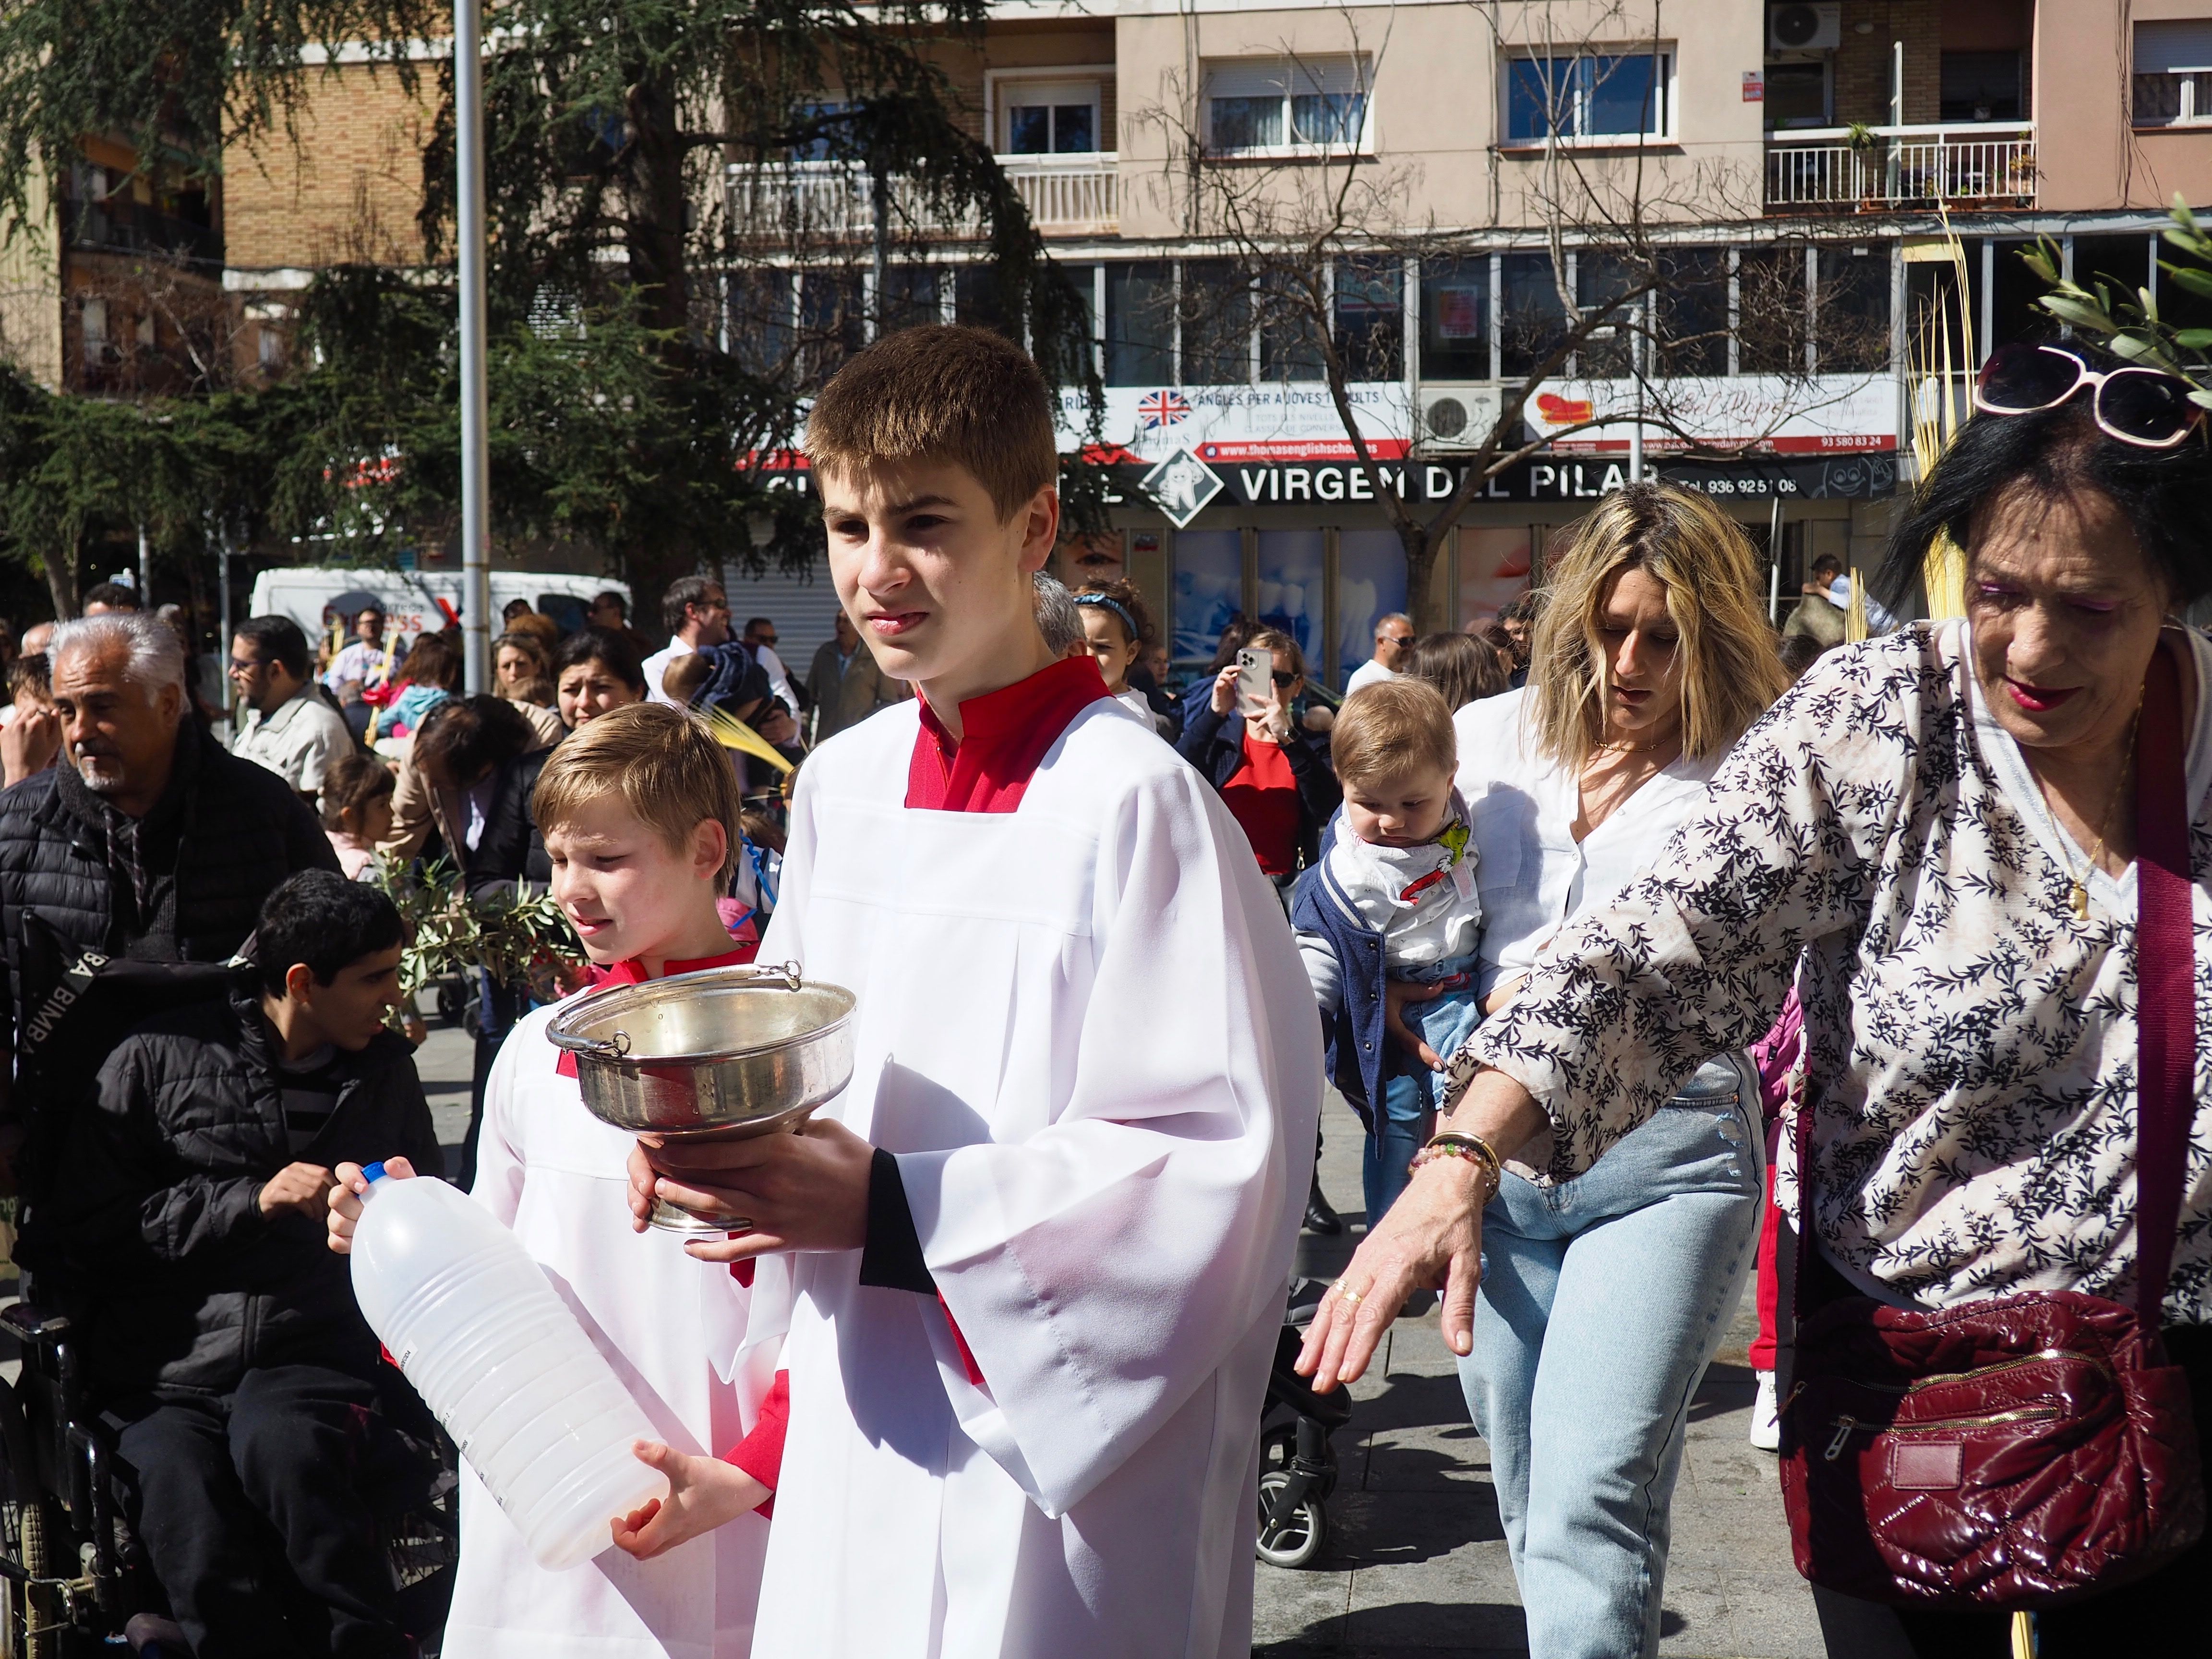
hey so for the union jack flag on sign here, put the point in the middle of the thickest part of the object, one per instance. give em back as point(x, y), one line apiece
point(1164, 408)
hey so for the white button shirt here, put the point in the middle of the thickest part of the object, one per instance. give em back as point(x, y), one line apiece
point(1532, 875)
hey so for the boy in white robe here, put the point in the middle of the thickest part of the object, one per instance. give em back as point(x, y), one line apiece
point(1028, 1270)
point(637, 810)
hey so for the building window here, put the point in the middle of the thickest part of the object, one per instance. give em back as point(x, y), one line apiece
point(1370, 318)
point(1217, 324)
point(1690, 312)
point(1288, 105)
point(1852, 324)
point(1980, 86)
point(1140, 324)
point(1049, 118)
point(1596, 96)
point(1799, 93)
point(1455, 318)
point(2173, 74)
point(1532, 320)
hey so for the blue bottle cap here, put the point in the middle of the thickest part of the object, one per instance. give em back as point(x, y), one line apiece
point(373, 1173)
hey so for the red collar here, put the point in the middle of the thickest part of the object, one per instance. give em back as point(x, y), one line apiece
point(1006, 732)
point(632, 972)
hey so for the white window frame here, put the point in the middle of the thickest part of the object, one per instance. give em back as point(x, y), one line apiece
point(1293, 70)
point(1001, 88)
point(2195, 98)
point(1665, 108)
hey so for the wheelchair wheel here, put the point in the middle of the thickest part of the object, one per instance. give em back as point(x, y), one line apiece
point(1300, 1536)
point(30, 1615)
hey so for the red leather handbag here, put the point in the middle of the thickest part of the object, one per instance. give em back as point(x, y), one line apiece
point(2032, 1448)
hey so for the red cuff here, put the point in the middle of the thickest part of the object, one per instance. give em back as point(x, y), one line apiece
point(967, 1358)
point(760, 1453)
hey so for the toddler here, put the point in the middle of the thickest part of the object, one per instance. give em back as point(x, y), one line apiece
point(1392, 897)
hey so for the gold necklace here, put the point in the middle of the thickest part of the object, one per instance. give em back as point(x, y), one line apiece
point(2077, 896)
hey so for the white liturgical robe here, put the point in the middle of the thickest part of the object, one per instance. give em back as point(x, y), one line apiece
point(556, 1176)
point(1084, 1031)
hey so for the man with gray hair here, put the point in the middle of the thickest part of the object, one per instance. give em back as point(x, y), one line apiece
point(146, 844)
point(1057, 618)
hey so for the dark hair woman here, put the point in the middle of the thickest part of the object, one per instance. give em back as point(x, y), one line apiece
point(1933, 836)
point(596, 669)
point(1273, 774)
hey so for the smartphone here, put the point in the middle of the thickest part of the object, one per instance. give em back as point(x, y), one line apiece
point(1255, 674)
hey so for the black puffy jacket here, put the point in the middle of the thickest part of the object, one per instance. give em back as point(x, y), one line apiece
point(154, 1236)
point(184, 883)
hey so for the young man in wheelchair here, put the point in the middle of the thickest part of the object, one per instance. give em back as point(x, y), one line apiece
point(219, 1335)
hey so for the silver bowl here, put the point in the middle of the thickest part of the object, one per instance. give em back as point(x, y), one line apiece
point(723, 1053)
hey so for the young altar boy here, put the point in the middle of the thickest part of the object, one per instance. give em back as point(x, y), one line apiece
point(1029, 1269)
point(636, 808)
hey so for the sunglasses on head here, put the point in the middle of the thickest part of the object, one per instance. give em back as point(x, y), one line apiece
point(2145, 407)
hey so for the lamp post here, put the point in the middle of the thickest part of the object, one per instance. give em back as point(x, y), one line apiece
point(469, 163)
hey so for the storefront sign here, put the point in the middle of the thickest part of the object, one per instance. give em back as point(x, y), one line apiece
point(1544, 478)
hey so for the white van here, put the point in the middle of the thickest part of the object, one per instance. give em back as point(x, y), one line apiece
point(317, 595)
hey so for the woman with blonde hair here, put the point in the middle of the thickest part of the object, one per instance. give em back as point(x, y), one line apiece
point(1602, 1298)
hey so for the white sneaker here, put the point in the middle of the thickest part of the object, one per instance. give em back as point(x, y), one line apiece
point(1765, 1431)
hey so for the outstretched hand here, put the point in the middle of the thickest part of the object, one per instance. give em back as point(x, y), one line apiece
point(1431, 1239)
point(703, 1493)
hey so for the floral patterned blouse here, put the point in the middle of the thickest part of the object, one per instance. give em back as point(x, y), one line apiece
point(1970, 1044)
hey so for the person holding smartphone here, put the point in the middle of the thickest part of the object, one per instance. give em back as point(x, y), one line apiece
point(1272, 774)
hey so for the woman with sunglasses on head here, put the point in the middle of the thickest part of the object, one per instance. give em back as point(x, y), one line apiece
point(1974, 847)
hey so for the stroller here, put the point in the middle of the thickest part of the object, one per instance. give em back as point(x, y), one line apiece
point(1297, 1465)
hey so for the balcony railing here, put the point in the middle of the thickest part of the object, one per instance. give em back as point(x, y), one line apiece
point(1987, 164)
point(117, 225)
point(1065, 195)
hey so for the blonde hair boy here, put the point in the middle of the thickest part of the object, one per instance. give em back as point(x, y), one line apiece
point(638, 809)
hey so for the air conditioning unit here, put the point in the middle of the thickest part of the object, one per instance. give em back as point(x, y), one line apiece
point(1455, 418)
point(1809, 28)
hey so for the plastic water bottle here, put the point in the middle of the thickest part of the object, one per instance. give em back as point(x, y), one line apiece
point(504, 1364)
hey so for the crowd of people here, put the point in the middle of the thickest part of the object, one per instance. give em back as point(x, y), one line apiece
point(1654, 946)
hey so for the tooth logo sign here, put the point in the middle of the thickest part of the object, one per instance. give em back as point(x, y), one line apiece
point(1555, 411)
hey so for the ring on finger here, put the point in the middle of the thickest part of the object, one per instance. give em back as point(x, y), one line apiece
point(1345, 1295)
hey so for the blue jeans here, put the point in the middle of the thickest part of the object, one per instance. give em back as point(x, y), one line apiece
point(1409, 1088)
point(1603, 1299)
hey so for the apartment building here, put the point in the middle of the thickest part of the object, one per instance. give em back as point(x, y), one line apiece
point(1815, 150)
point(115, 285)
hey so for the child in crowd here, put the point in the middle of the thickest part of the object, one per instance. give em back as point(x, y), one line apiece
point(358, 811)
point(1392, 899)
point(1117, 628)
point(186, 1234)
point(1027, 1269)
point(636, 808)
point(31, 732)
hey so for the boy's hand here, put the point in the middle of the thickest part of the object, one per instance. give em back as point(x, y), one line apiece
point(807, 1190)
point(345, 1200)
point(1396, 993)
point(703, 1493)
point(295, 1187)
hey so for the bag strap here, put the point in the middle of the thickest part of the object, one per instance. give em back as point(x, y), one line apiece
point(2166, 975)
